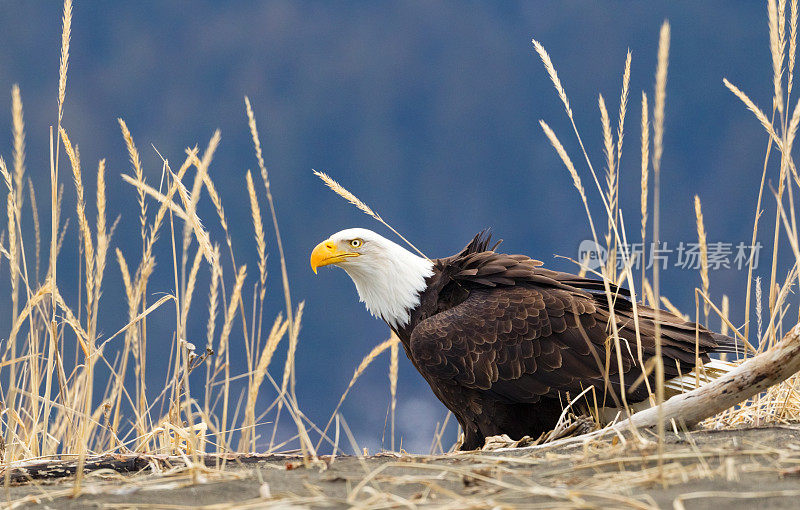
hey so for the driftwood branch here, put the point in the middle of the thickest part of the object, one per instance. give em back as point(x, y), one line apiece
point(54, 468)
point(750, 378)
point(688, 409)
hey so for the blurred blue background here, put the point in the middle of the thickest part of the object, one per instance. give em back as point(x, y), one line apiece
point(428, 111)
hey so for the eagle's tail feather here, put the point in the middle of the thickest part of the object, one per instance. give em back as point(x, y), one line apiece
point(710, 371)
point(726, 344)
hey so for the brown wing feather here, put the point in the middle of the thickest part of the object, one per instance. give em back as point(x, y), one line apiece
point(524, 342)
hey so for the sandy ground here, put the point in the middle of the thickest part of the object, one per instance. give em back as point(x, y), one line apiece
point(729, 469)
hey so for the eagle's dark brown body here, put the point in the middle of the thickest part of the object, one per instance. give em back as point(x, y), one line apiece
point(501, 341)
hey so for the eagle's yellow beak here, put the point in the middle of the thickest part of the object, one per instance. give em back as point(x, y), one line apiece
point(326, 253)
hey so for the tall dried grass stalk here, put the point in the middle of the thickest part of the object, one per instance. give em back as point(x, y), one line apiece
point(614, 217)
point(13, 261)
point(782, 22)
point(191, 282)
point(101, 200)
point(776, 17)
point(258, 226)
point(230, 314)
point(126, 275)
point(6, 175)
point(551, 70)
point(760, 115)
point(194, 222)
point(792, 46)
point(293, 333)
point(757, 216)
point(212, 192)
point(2, 247)
point(623, 105)
point(102, 229)
point(227, 326)
point(660, 96)
point(54, 154)
point(36, 226)
point(18, 124)
point(791, 132)
point(83, 222)
point(726, 311)
point(344, 193)
point(211, 325)
point(777, 46)
point(645, 151)
point(658, 149)
point(611, 187)
point(760, 331)
point(703, 242)
point(64, 62)
point(213, 297)
point(576, 180)
point(393, 375)
point(265, 177)
point(197, 186)
point(162, 210)
point(608, 145)
point(157, 195)
point(136, 162)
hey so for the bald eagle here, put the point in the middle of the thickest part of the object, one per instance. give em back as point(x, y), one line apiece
point(501, 340)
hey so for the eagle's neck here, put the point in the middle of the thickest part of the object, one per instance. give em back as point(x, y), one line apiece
point(391, 284)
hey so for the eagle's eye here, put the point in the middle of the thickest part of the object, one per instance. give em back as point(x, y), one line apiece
point(355, 243)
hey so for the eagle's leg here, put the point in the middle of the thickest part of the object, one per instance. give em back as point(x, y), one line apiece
point(473, 439)
point(517, 420)
point(470, 437)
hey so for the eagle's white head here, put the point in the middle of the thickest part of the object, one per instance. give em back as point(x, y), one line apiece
point(388, 277)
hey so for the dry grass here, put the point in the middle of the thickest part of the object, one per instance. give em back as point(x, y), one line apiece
point(701, 238)
point(645, 159)
point(778, 404)
point(102, 401)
